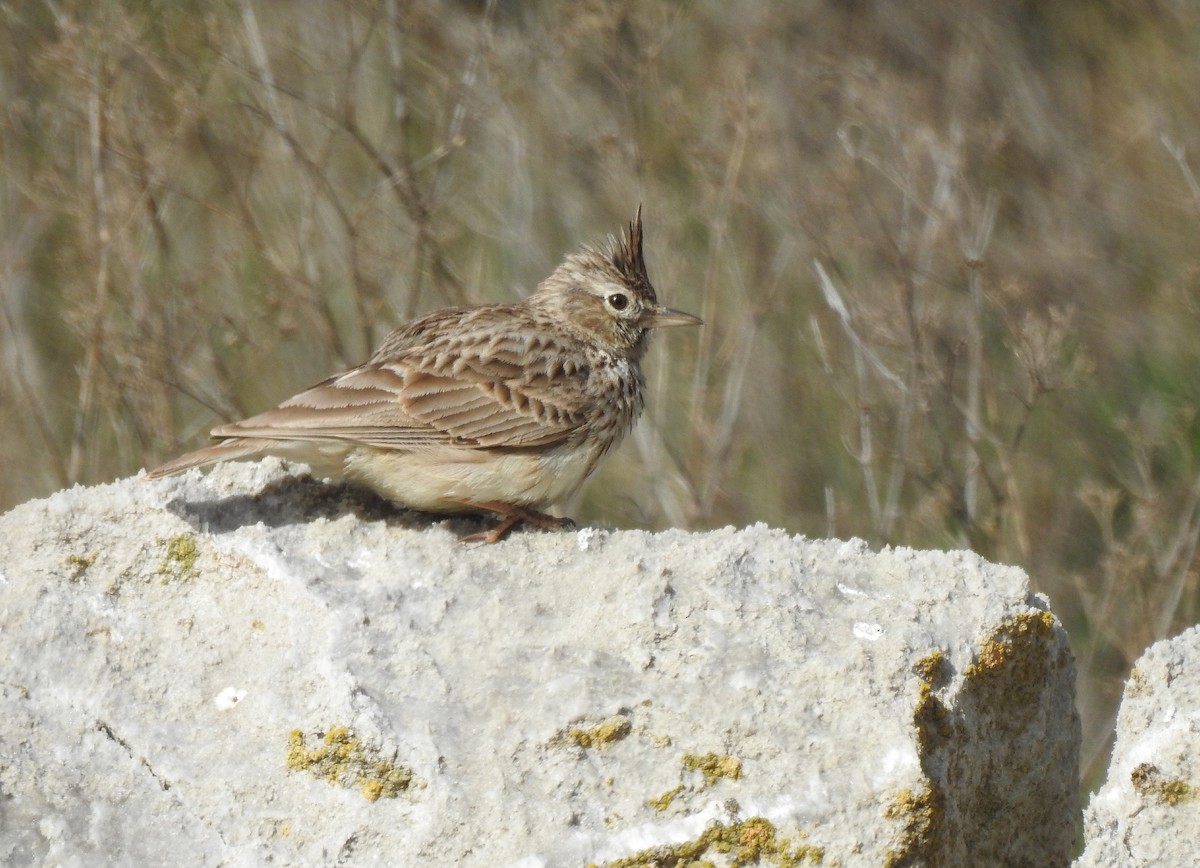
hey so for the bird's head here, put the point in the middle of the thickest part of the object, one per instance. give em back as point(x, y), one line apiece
point(606, 296)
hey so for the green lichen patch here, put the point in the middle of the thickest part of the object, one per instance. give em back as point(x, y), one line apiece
point(1150, 783)
point(179, 559)
point(921, 814)
point(341, 759)
point(753, 841)
point(79, 565)
point(713, 766)
point(606, 732)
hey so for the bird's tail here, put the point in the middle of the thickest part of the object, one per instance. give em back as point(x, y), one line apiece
point(234, 449)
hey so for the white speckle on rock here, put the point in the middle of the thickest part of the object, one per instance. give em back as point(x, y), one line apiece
point(870, 632)
point(228, 698)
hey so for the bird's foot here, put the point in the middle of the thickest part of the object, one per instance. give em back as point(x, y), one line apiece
point(512, 516)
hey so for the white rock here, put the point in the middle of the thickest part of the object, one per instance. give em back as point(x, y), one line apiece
point(1148, 811)
point(542, 691)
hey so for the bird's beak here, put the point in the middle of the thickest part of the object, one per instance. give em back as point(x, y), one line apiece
point(665, 317)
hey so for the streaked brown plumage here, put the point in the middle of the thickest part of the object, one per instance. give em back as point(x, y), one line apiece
point(502, 407)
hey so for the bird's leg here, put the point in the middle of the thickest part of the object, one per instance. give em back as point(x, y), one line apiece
point(513, 515)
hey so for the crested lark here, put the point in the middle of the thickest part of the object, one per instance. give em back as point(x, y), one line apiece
point(504, 408)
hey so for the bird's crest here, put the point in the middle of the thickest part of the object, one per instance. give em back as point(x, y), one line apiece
point(626, 256)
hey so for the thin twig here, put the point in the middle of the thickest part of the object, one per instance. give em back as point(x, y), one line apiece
point(1178, 560)
point(1179, 153)
point(973, 252)
point(97, 142)
point(834, 300)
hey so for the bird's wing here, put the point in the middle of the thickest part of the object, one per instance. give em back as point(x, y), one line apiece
point(438, 381)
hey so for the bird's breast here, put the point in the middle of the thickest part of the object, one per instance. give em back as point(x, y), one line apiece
point(617, 391)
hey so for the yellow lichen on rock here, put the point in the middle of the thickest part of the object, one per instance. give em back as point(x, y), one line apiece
point(179, 560)
point(609, 730)
point(713, 766)
point(753, 841)
point(79, 565)
point(341, 759)
point(663, 801)
point(921, 813)
point(1017, 634)
point(1150, 783)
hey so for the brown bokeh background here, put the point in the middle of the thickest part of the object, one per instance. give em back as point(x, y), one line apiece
point(947, 253)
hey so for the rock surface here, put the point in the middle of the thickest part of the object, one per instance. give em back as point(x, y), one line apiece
point(251, 667)
point(1148, 811)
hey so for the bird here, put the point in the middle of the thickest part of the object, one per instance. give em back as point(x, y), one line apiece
point(495, 408)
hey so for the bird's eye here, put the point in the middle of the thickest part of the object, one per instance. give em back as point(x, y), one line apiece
point(618, 301)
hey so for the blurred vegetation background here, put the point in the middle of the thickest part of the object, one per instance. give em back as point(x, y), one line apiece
point(947, 253)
